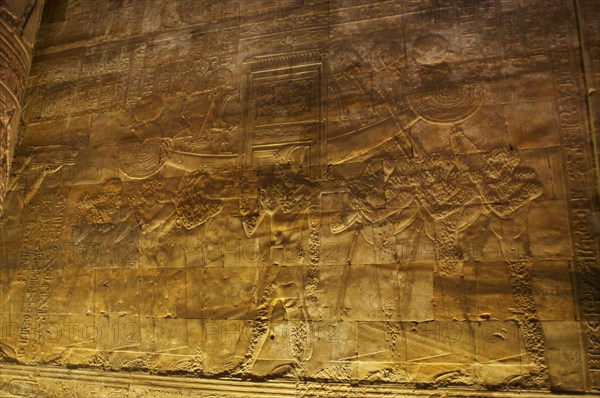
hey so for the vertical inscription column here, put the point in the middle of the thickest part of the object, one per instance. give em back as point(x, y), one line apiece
point(19, 23)
point(564, 48)
point(588, 14)
point(589, 34)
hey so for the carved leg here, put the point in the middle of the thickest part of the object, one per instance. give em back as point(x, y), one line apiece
point(529, 323)
point(448, 252)
point(341, 301)
point(260, 329)
point(299, 335)
point(249, 351)
point(519, 266)
point(448, 276)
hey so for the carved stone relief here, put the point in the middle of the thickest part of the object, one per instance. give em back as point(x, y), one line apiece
point(19, 22)
point(304, 198)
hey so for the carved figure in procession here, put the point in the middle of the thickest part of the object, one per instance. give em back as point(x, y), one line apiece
point(194, 139)
point(158, 206)
point(445, 192)
point(290, 202)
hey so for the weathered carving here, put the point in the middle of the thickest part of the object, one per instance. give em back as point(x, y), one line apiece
point(19, 22)
point(342, 198)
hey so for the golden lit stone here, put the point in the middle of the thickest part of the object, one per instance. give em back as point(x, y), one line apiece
point(300, 198)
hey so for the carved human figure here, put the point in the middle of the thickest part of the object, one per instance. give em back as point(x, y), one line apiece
point(156, 208)
point(153, 208)
point(149, 149)
point(289, 200)
point(345, 66)
point(436, 190)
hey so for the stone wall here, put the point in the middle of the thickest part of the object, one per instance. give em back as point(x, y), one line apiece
point(345, 198)
point(19, 23)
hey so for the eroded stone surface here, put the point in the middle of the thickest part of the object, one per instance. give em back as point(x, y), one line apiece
point(19, 23)
point(346, 197)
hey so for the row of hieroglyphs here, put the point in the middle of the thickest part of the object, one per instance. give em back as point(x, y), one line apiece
point(111, 73)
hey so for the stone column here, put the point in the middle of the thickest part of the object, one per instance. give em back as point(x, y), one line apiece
point(19, 23)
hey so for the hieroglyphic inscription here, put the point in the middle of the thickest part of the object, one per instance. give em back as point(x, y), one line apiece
point(571, 116)
point(36, 269)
